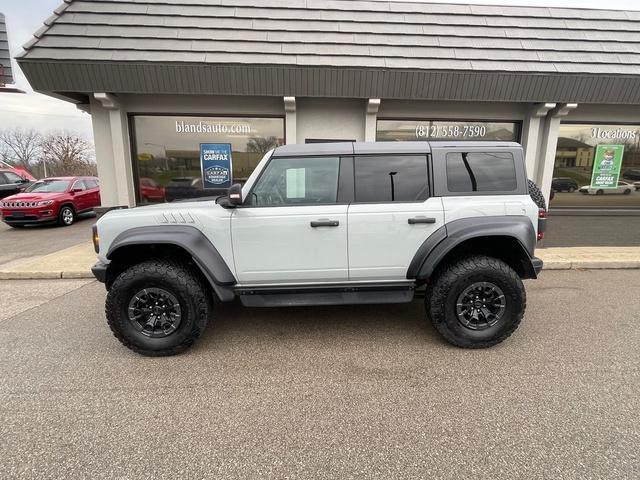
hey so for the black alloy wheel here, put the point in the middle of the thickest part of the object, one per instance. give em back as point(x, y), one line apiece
point(480, 305)
point(155, 312)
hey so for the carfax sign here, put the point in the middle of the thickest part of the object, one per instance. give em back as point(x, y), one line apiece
point(215, 161)
point(606, 166)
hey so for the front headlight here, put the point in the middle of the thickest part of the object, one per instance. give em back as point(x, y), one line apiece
point(96, 238)
point(44, 203)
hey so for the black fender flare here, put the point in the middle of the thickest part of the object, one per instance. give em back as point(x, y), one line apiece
point(446, 238)
point(202, 251)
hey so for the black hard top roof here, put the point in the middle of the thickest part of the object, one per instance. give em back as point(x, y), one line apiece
point(363, 148)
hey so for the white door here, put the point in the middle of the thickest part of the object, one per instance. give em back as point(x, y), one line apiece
point(391, 216)
point(290, 229)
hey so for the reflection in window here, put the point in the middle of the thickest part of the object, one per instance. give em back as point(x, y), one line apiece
point(401, 178)
point(297, 181)
point(574, 162)
point(167, 151)
point(481, 172)
point(412, 130)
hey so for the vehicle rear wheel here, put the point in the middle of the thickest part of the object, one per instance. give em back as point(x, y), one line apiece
point(66, 216)
point(571, 189)
point(600, 192)
point(157, 308)
point(476, 302)
point(536, 195)
point(627, 191)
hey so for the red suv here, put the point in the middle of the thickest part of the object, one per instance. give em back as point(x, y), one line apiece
point(58, 199)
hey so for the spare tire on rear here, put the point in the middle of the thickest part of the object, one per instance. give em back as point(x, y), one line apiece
point(536, 195)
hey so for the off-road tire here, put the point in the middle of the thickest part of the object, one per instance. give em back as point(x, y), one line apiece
point(444, 289)
point(536, 195)
point(62, 213)
point(174, 277)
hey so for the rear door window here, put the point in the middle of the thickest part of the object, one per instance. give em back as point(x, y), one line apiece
point(481, 172)
point(394, 178)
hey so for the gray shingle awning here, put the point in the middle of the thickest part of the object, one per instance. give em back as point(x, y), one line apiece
point(6, 76)
point(339, 48)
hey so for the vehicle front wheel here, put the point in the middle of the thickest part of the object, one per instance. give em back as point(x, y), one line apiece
point(157, 308)
point(476, 302)
point(66, 216)
point(571, 189)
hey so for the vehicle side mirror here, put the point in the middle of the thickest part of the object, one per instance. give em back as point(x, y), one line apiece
point(235, 194)
point(76, 190)
point(23, 180)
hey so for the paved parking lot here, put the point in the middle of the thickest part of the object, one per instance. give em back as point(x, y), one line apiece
point(341, 392)
point(18, 243)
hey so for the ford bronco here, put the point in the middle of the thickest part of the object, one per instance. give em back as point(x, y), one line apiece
point(327, 224)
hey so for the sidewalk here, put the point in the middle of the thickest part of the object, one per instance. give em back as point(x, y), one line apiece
point(72, 262)
point(76, 261)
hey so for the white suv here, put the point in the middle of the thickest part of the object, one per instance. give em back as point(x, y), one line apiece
point(326, 224)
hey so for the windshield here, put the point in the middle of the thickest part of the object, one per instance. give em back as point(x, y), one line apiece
point(49, 186)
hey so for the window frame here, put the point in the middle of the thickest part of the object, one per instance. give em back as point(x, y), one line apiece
point(471, 175)
point(133, 135)
point(84, 188)
point(7, 176)
point(339, 199)
point(439, 159)
point(428, 178)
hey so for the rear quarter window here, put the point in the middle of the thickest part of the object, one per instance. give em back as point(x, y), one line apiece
point(481, 172)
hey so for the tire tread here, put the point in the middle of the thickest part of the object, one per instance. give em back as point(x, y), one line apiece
point(442, 283)
point(164, 269)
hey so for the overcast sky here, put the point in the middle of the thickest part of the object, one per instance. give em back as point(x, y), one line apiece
point(44, 113)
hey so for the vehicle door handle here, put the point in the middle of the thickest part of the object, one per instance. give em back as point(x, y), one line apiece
point(324, 223)
point(414, 220)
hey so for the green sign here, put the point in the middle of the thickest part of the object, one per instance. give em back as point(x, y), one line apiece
point(606, 166)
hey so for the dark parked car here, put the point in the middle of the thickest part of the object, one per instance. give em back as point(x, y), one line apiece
point(180, 188)
point(11, 183)
point(632, 174)
point(564, 184)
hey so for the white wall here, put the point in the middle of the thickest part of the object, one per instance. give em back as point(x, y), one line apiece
point(330, 118)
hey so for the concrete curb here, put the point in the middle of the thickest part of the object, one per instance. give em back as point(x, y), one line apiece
point(9, 275)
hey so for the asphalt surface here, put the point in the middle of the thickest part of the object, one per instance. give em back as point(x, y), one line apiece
point(592, 231)
point(16, 243)
point(339, 392)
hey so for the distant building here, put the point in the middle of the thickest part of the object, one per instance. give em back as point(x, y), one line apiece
point(573, 153)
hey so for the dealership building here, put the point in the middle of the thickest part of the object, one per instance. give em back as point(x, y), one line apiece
point(161, 77)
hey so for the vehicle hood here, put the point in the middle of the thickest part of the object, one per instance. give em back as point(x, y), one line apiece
point(34, 197)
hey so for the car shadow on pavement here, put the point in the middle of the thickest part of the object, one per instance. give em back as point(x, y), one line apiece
point(320, 323)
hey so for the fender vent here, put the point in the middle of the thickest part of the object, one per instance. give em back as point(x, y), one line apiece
point(171, 217)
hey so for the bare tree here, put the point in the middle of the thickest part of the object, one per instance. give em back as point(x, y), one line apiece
point(261, 145)
point(21, 147)
point(66, 153)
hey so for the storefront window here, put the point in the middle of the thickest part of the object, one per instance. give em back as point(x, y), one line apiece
point(412, 130)
point(598, 166)
point(167, 151)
